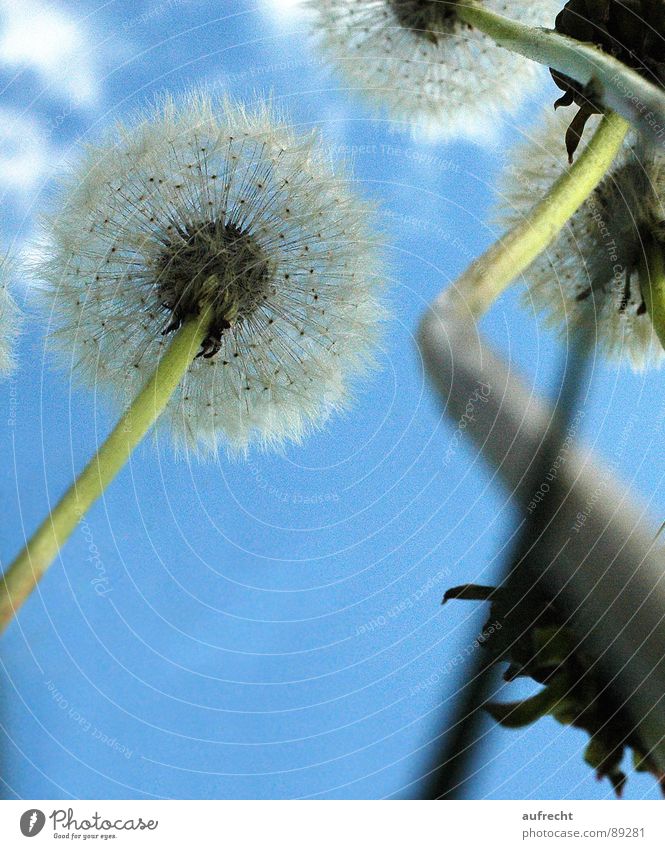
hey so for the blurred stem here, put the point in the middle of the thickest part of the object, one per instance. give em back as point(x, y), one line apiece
point(23, 575)
point(652, 284)
point(488, 276)
point(605, 78)
point(454, 761)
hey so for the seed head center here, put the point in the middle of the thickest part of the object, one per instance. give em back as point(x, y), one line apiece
point(215, 265)
point(427, 18)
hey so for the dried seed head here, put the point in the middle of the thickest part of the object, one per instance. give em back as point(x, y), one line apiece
point(423, 64)
point(209, 205)
point(589, 275)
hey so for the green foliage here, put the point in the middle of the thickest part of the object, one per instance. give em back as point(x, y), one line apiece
point(536, 642)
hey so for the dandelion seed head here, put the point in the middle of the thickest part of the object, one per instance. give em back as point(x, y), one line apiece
point(589, 276)
point(425, 66)
point(209, 204)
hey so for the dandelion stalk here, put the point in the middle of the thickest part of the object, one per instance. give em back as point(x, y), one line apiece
point(607, 79)
point(31, 564)
point(595, 260)
point(488, 276)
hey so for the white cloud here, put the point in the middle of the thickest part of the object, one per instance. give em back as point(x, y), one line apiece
point(24, 157)
point(47, 40)
point(283, 10)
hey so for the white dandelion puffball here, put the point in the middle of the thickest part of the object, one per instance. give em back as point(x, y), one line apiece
point(207, 203)
point(428, 68)
point(589, 277)
point(10, 319)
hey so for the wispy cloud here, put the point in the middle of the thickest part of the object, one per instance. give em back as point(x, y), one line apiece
point(47, 40)
point(24, 156)
point(283, 10)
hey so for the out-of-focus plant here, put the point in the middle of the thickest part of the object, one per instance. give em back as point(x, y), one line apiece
point(535, 641)
point(607, 58)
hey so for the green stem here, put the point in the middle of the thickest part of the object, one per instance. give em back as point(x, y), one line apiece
point(652, 284)
point(617, 86)
point(31, 564)
point(490, 274)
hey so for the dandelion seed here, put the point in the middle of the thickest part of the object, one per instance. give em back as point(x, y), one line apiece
point(10, 319)
point(212, 205)
point(425, 65)
point(589, 276)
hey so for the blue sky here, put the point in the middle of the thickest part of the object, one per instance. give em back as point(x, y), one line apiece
point(269, 627)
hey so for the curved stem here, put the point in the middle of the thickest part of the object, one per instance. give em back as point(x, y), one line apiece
point(490, 274)
point(22, 576)
point(453, 768)
point(652, 284)
point(616, 85)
